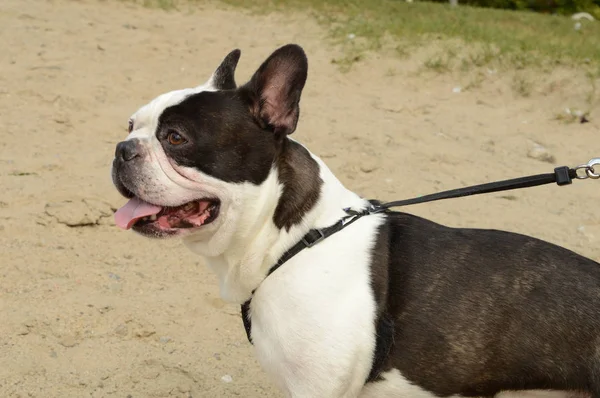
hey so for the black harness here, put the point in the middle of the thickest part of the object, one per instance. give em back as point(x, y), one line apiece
point(385, 327)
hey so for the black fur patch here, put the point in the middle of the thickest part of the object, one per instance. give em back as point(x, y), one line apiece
point(480, 311)
point(384, 324)
point(299, 174)
point(224, 141)
point(224, 76)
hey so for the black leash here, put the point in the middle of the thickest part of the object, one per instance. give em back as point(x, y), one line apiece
point(561, 176)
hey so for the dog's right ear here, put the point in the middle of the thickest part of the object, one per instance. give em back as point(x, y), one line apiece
point(224, 76)
point(275, 88)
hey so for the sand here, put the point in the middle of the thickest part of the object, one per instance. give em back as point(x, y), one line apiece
point(89, 310)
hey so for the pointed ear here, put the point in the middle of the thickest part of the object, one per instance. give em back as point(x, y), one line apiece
point(276, 87)
point(224, 77)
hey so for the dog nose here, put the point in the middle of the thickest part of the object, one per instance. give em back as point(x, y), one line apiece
point(127, 150)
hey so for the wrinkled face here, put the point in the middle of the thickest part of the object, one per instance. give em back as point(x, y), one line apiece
point(186, 154)
point(192, 155)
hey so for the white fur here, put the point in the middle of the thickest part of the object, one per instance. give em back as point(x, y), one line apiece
point(313, 320)
point(397, 386)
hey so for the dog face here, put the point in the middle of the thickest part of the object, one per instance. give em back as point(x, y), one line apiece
point(195, 158)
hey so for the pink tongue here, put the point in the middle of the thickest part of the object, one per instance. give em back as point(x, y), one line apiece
point(133, 210)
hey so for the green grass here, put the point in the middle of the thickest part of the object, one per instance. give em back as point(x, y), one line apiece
point(519, 39)
point(511, 38)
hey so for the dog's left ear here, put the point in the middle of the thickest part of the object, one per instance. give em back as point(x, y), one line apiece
point(275, 88)
point(224, 76)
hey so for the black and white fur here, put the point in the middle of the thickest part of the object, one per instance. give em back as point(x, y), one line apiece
point(460, 312)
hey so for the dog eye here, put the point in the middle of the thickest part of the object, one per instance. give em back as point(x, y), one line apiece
point(130, 126)
point(175, 138)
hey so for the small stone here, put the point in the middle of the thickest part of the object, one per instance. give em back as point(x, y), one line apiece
point(217, 356)
point(114, 276)
point(29, 323)
point(23, 330)
point(590, 232)
point(40, 221)
point(227, 379)
point(164, 339)
point(121, 330)
point(105, 309)
point(538, 152)
point(53, 354)
point(456, 90)
point(368, 169)
point(143, 331)
point(68, 341)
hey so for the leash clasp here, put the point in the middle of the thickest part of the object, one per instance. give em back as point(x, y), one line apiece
point(589, 169)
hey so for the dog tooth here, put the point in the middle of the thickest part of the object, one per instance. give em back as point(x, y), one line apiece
point(153, 217)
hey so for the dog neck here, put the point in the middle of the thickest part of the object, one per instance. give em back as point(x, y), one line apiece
point(300, 194)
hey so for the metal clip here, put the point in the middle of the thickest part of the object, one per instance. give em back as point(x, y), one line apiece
point(590, 172)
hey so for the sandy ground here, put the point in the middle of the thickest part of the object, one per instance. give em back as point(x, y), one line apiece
point(89, 310)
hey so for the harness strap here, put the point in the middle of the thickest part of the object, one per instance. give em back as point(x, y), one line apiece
point(313, 237)
point(561, 176)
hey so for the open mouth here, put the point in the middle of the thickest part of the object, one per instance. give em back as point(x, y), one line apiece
point(138, 214)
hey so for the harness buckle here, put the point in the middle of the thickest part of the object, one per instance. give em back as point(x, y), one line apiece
point(374, 209)
point(311, 244)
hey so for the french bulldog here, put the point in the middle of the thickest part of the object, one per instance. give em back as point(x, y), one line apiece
point(393, 305)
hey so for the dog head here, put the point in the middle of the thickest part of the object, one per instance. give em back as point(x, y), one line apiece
point(194, 157)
